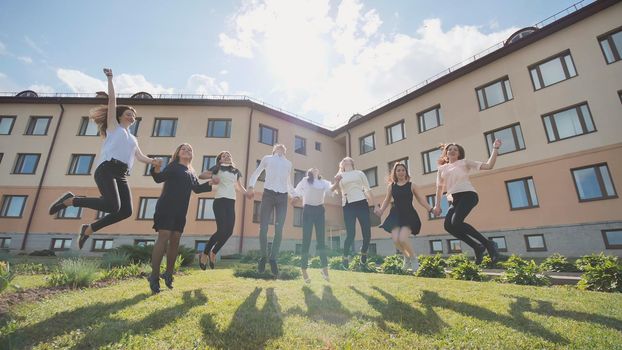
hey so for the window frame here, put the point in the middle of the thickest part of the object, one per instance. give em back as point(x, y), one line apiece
point(257, 213)
point(199, 206)
point(318, 146)
point(505, 242)
point(64, 245)
point(298, 172)
point(433, 198)
point(103, 249)
point(61, 214)
point(141, 210)
point(525, 181)
point(449, 248)
point(207, 157)
point(145, 242)
point(389, 135)
point(503, 90)
point(425, 154)
point(606, 239)
point(156, 127)
point(304, 145)
point(30, 127)
point(73, 163)
point(4, 244)
point(375, 169)
point(153, 156)
point(577, 108)
point(600, 179)
point(212, 121)
point(297, 211)
point(135, 126)
point(531, 249)
point(617, 54)
point(432, 251)
point(4, 206)
point(19, 161)
point(275, 134)
point(84, 124)
point(514, 136)
point(559, 56)
point(13, 118)
point(421, 118)
point(373, 139)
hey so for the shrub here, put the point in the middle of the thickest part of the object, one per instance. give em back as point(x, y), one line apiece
point(178, 264)
point(355, 265)
point(587, 261)
point(250, 271)
point(376, 259)
point(334, 263)
point(468, 271)
point(520, 271)
point(315, 262)
point(605, 277)
point(252, 256)
point(74, 273)
point(6, 275)
point(393, 265)
point(289, 258)
point(121, 272)
point(115, 258)
point(31, 269)
point(137, 254)
point(187, 254)
point(456, 260)
point(557, 263)
point(44, 252)
point(431, 266)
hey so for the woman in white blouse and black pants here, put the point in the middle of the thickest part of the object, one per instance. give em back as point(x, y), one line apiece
point(356, 199)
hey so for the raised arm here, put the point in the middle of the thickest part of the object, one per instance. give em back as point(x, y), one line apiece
point(493, 156)
point(111, 119)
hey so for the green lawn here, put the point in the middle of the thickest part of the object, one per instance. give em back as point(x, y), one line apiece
point(213, 309)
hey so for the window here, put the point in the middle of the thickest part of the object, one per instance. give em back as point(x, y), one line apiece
point(208, 162)
point(88, 127)
point(257, 213)
point(522, 193)
point(5, 242)
point(367, 143)
point(38, 126)
point(372, 176)
point(430, 118)
point(164, 127)
point(511, 136)
point(501, 246)
point(335, 242)
point(134, 127)
point(262, 176)
point(268, 135)
point(494, 93)
point(165, 161)
point(593, 183)
point(26, 163)
point(70, 213)
point(206, 209)
point(430, 159)
point(552, 70)
point(6, 125)
point(444, 206)
point(613, 239)
point(300, 145)
point(102, 245)
point(436, 246)
point(298, 175)
point(297, 217)
point(219, 128)
point(144, 242)
point(199, 245)
point(570, 122)
point(395, 132)
point(147, 208)
point(81, 164)
point(611, 44)
point(373, 218)
point(318, 146)
point(12, 206)
point(373, 249)
point(61, 243)
point(535, 243)
point(391, 164)
point(454, 246)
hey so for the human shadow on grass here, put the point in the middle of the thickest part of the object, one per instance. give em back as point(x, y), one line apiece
point(393, 310)
point(516, 320)
point(111, 330)
point(250, 327)
point(66, 321)
point(328, 308)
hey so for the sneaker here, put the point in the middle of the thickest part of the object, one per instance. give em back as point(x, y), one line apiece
point(202, 257)
point(83, 237)
point(414, 264)
point(479, 254)
point(493, 251)
point(274, 268)
point(406, 263)
point(58, 205)
point(261, 266)
point(154, 284)
point(168, 279)
point(324, 273)
point(345, 263)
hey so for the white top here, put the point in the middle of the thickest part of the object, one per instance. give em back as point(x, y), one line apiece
point(278, 174)
point(352, 185)
point(226, 186)
point(119, 144)
point(312, 194)
point(455, 176)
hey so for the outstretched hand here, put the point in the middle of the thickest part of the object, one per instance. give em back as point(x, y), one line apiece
point(108, 72)
point(497, 144)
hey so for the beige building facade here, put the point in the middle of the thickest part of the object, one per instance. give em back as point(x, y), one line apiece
point(553, 95)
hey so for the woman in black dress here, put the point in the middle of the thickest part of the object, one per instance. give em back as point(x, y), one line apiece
point(171, 209)
point(403, 219)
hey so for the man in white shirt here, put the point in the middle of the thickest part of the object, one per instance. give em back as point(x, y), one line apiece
point(277, 186)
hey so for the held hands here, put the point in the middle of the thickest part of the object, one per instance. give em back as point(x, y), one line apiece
point(215, 180)
point(436, 211)
point(156, 163)
point(294, 200)
point(250, 192)
point(108, 72)
point(338, 178)
point(497, 144)
point(377, 210)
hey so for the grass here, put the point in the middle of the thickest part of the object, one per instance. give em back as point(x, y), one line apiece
point(214, 309)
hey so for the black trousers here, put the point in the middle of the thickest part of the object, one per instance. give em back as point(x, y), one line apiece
point(272, 202)
point(461, 206)
point(313, 215)
point(351, 212)
point(224, 211)
point(116, 198)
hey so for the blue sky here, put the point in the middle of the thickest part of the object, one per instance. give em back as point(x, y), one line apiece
point(324, 60)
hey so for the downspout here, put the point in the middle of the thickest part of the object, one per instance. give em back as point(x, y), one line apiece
point(45, 169)
point(248, 147)
point(349, 143)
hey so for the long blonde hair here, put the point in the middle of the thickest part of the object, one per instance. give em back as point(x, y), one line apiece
point(99, 115)
point(175, 156)
point(341, 168)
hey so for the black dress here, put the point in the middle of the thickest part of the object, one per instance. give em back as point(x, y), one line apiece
point(402, 213)
point(172, 206)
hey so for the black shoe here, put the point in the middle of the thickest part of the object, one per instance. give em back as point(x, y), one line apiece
point(83, 237)
point(363, 258)
point(168, 280)
point(58, 204)
point(479, 254)
point(345, 263)
point(203, 266)
point(261, 266)
point(274, 268)
point(493, 251)
point(154, 284)
point(211, 261)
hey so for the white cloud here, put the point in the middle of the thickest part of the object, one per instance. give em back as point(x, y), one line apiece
point(40, 88)
point(80, 82)
point(132, 83)
point(336, 63)
point(25, 59)
point(205, 85)
point(34, 46)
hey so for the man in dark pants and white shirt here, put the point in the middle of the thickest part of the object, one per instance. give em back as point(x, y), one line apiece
point(277, 186)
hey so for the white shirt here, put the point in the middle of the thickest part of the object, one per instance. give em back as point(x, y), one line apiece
point(278, 174)
point(226, 186)
point(119, 144)
point(312, 194)
point(353, 184)
point(455, 176)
